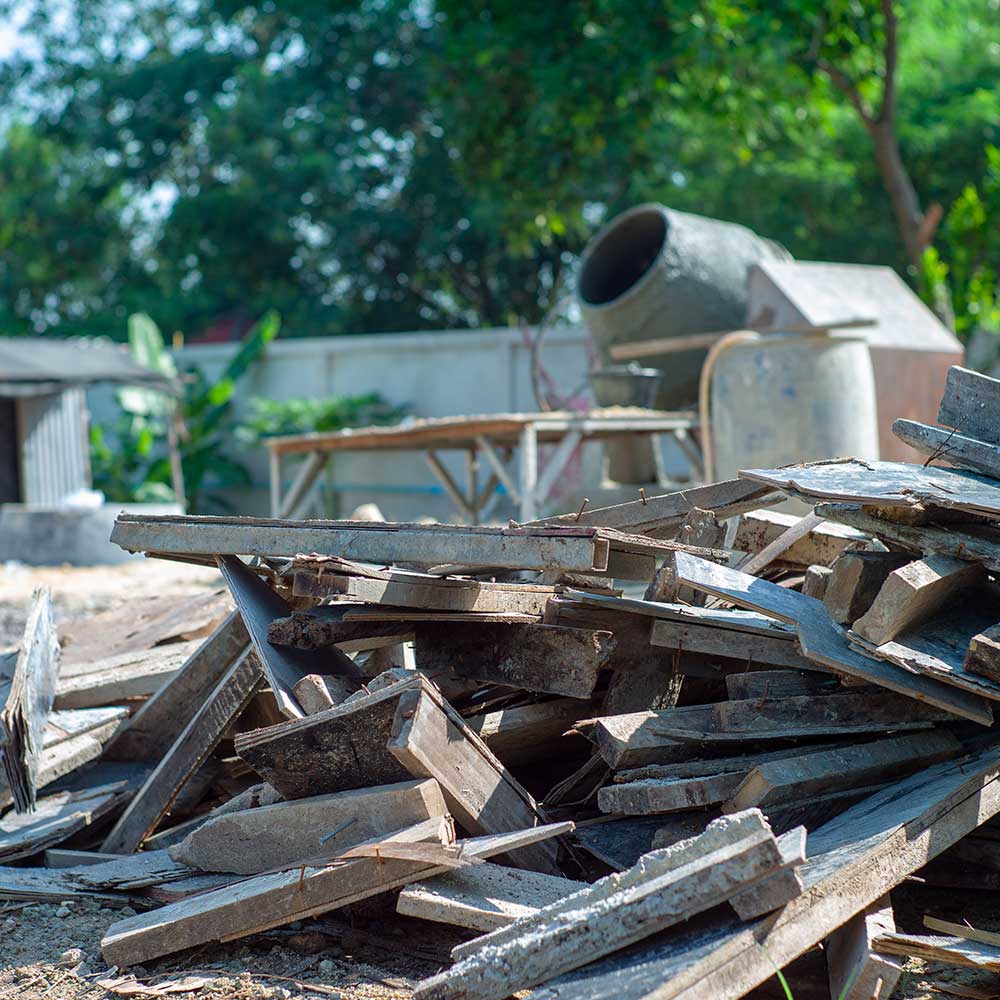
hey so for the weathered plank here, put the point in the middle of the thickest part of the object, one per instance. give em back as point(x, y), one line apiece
point(821, 639)
point(913, 593)
point(29, 701)
point(777, 650)
point(665, 887)
point(283, 666)
point(431, 740)
point(257, 904)
point(189, 750)
point(325, 626)
point(971, 402)
point(282, 834)
point(950, 446)
point(547, 659)
point(855, 581)
point(853, 861)
point(944, 950)
point(665, 795)
point(816, 581)
point(777, 684)
point(152, 730)
point(314, 694)
point(483, 897)
point(846, 767)
point(531, 732)
point(983, 656)
point(856, 970)
point(781, 886)
point(821, 544)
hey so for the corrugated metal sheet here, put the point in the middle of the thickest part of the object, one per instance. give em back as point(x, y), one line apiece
point(54, 452)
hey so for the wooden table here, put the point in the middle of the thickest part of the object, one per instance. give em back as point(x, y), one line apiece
point(492, 437)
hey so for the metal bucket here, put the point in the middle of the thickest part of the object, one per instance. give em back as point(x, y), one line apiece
point(625, 385)
point(653, 272)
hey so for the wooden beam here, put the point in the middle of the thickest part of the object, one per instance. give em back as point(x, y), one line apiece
point(856, 970)
point(856, 579)
point(531, 732)
point(911, 594)
point(971, 403)
point(780, 649)
point(777, 684)
point(188, 752)
point(983, 656)
point(813, 543)
point(950, 446)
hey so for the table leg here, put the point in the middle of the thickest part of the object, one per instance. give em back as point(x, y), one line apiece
point(309, 470)
point(451, 488)
point(528, 473)
point(274, 464)
point(471, 484)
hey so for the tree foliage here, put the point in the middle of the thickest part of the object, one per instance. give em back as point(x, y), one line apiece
point(379, 165)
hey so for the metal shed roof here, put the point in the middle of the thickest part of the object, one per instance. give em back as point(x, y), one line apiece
point(34, 366)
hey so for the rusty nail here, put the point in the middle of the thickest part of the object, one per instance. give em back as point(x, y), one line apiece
point(579, 513)
point(642, 496)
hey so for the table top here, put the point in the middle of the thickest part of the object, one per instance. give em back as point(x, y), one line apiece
point(499, 428)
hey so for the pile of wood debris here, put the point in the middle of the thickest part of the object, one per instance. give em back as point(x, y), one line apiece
point(668, 796)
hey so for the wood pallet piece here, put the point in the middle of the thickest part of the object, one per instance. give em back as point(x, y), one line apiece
point(430, 739)
point(154, 727)
point(855, 581)
point(822, 640)
point(971, 402)
point(663, 889)
point(583, 549)
point(283, 667)
point(950, 446)
point(547, 659)
point(284, 833)
point(814, 773)
point(856, 970)
point(885, 484)
point(915, 592)
point(968, 541)
point(28, 702)
point(853, 861)
point(821, 544)
point(665, 736)
point(189, 750)
point(483, 897)
point(258, 904)
point(659, 516)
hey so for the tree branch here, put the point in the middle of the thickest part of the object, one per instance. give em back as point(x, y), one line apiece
point(846, 86)
point(888, 110)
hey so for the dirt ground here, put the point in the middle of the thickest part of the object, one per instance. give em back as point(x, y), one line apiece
point(52, 951)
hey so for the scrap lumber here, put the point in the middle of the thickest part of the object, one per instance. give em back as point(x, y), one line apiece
point(333, 751)
point(64, 857)
point(781, 886)
point(326, 625)
point(853, 861)
point(665, 795)
point(123, 677)
point(815, 773)
point(639, 690)
point(971, 403)
point(962, 930)
point(983, 655)
point(664, 888)
point(131, 871)
point(483, 897)
point(54, 818)
point(188, 752)
point(282, 834)
point(313, 694)
point(579, 548)
point(525, 734)
point(950, 446)
point(29, 701)
point(431, 740)
point(547, 659)
point(945, 950)
point(660, 516)
point(665, 736)
point(855, 581)
point(151, 731)
point(284, 667)
point(885, 484)
point(856, 970)
point(820, 543)
point(913, 593)
point(816, 581)
point(972, 542)
point(780, 649)
point(777, 684)
point(821, 639)
point(258, 904)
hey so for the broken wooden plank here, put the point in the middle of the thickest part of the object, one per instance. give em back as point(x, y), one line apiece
point(431, 740)
point(29, 701)
point(945, 950)
point(950, 446)
point(189, 750)
point(257, 904)
point(820, 544)
point(151, 731)
point(971, 403)
point(821, 639)
point(664, 888)
point(777, 684)
point(853, 861)
point(325, 626)
point(530, 732)
point(814, 773)
point(913, 593)
point(131, 871)
point(314, 694)
point(816, 581)
point(639, 738)
point(856, 970)
point(856, 579)
point(547, 659)
point(483, 897)
point(962, 930)
point(284, 667)
point(781, 886)
point(282, 834)
point(777, 650)
point(983, 656)
point(649, 796)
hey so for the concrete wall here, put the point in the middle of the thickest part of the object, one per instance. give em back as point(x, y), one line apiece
point(439, 374)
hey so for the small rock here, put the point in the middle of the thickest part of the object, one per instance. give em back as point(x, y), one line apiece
point(127, 911)
point(71, 956)
point(63, 912)
point(327, 968)
point(9, 925)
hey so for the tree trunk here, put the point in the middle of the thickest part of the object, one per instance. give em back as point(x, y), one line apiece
point(899, 187)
